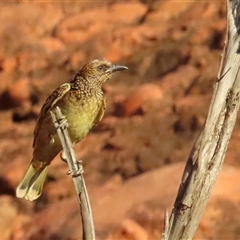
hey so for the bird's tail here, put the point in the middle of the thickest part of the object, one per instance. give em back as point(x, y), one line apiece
point(32, 183)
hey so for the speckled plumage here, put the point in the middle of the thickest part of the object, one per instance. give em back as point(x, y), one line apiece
point(83, 103)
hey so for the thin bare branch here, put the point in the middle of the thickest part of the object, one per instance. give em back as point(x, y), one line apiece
point(76, 170)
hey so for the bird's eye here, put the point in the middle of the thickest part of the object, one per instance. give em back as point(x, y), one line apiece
point(100, 67)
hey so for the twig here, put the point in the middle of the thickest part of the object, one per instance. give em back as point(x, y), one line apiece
point(76, 170)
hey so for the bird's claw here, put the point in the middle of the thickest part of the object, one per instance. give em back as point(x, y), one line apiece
point(79, 170)
point(62, 123)
point(79, 162)
point(78, 173)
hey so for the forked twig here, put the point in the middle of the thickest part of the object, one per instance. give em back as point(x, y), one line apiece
point(76, 170)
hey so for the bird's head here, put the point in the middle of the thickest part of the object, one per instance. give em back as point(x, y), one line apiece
point(99, 71)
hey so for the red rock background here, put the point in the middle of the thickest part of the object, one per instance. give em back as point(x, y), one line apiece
point(134, 158)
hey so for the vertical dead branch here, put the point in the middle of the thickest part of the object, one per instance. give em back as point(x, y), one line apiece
point(166, 226)
point(76, 170)
point(207, 155)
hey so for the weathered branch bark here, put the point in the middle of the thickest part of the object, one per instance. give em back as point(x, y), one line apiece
point(207, 155)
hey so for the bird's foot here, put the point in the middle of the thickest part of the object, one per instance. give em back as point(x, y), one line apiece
point(62, 123)
point(79, 170)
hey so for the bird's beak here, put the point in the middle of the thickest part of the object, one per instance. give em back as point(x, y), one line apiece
point(115, 68)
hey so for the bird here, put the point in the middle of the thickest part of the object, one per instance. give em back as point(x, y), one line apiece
point(83, 104)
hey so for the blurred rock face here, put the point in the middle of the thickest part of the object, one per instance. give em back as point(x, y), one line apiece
point(154, 112)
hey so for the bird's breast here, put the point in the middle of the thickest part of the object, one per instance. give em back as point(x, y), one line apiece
point(81, 115)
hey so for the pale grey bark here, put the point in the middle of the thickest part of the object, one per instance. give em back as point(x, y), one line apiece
point(207, 155)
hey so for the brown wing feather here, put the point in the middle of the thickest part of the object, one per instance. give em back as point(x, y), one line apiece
point(101, 112)
point(49, 104)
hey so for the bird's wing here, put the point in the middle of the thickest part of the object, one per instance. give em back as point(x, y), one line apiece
point(49, 104)
point(101, 112)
